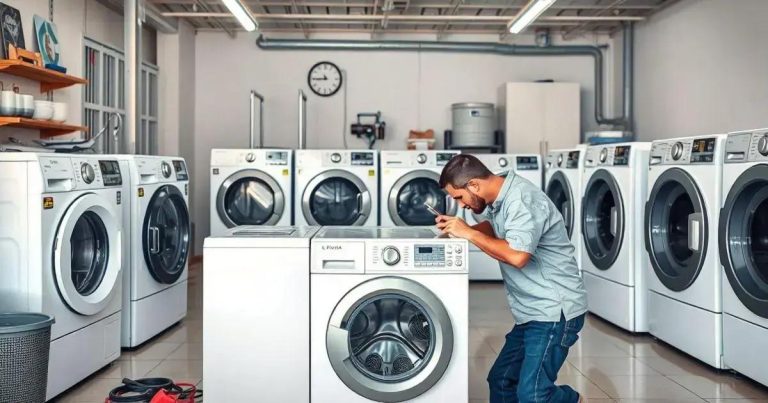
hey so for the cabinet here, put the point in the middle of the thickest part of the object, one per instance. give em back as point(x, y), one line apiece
point(537, 117)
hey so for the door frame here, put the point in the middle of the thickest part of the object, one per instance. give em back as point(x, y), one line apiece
point(364, 197)
point(394, 192)
point(277, 191)
point(609, 259)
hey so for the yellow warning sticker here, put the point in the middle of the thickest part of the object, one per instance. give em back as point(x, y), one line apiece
point(47, 203)
point(371, 172)
point(285, 172)
point(141, 192)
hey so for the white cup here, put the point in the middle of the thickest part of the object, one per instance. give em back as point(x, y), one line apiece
point(27, 106)
point(43, 110)
point(59, 112)
point(7, 103)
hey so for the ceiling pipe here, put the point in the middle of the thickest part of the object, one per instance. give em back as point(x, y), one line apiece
point(624, 121)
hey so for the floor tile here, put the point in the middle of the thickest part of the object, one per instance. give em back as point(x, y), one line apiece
point(95, 390)
point(608, 366)
point(150, 351)
point(721, 386)
point(478, 345)
point(643, 387)
point(190, 371)
point(189, 351)
point(677, 364)
point(127, 368)
point(581, 384)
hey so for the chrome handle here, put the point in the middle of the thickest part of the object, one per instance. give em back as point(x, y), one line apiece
point(614, 221)
point(694, 231)
point(154, 240)
point(360, 204)
point(566, 213)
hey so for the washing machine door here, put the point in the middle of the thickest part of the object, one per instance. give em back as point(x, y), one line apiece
point(408, 194)
point(250, 197)
point(602, 219)
point(87, 254)
point(676, 229)
point(166, 234)
point(390, 339)
point(336, 197)
point(559, 191)
point(744, 238)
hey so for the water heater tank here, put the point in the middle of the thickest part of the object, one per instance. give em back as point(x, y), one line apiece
point(473, 124)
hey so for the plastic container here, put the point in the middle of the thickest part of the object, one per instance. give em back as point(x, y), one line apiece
point(25, 341)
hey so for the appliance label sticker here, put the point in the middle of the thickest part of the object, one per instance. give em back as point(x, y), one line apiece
point(47, 203)
point(119, 197)
point(141, 192)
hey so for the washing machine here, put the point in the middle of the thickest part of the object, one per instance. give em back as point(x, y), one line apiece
point(61, 242)
point(743, 247)
point(250, 187)
point(234, 339)
point(157, 226)
point(613, 260)
point(562, 183)
point(336, 187)
point(681, 216)
point(410, 178)
point(389, 316)
point(528, 166)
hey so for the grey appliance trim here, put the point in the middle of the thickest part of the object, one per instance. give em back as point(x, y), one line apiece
point(451, 205)
point(267, 179)
point(337, 344)
point(364, 196)
point(602, 259)
point(567, 211)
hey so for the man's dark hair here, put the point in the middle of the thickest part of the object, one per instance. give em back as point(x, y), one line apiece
point(461, 169)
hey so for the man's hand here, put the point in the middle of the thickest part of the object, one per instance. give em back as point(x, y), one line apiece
point(454, 226)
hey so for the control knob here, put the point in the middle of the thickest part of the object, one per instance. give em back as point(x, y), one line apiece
point(603, 155)
point(250, 157)
point(560, 160)
point(335, 158)
point(421, 158)
point(762, 145)
point(166, 169)
point(87, 172)
point(677, 151)
point(390, 255)
point(503, 162)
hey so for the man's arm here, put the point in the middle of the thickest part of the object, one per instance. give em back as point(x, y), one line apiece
point(499, 249)
point(486, 228)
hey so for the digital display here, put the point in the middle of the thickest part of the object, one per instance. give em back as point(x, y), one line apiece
point(573, 159)
point(621, 155)
point(429, 255)
point(277, 156)
point(424, 249)
point(443, 158)
point(110, 173)
point(703, 150)
point(181, 170)
point(362, 158)
point(527, 163)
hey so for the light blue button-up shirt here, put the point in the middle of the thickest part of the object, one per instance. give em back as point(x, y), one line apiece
point(550, 284)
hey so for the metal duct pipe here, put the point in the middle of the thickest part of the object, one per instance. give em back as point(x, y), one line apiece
point(628, 75)
point(478, 47)
point(255, 95)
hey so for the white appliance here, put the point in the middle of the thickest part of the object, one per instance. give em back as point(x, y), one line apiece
point(613, 261)
point(528, 166)
point(60, 251)
point(562, 182)
point(250, 187)
point(681, 217)
point(337, 187)
point(389, 316)
point(256, 317)
point(743, 250)
point(408, 179)
point(157, 227)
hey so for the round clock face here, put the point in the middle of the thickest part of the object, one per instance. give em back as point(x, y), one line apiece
point(324, 79)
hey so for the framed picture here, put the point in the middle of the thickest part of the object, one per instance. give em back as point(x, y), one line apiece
point(10, 29)
point(47, 40)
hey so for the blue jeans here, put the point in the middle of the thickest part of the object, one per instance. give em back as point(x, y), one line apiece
point(527, 366)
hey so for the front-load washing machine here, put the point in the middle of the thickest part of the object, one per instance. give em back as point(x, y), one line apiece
point(61, 243)
point(389, 316)
point(681, 215)
point(562, 182)
point(336, 187)
point(250, 187)
point(256, 317)
point(408, 180)
point(743, 249)
point(613, 260)
point(157, 225)
point(528, 166)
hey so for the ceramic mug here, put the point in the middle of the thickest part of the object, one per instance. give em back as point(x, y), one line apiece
point(7, 101)
point(27, 105)
point(59, 112)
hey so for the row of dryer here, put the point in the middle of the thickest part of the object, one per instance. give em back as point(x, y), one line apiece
point(100, 243)
point(673, 240)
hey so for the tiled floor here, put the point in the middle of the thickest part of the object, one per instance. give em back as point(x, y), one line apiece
point(605, 365)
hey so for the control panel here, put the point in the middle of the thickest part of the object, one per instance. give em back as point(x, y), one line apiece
point(527, 163)
point(684, 151)
point(336, 158)
point(110, 172)
point(612, 155)
point(236, 157)
point(416, 158)
point(362, 158)
point(572, 159)
point(181, 170)
point(442, 158)
point(749, 146)
point(69, 173)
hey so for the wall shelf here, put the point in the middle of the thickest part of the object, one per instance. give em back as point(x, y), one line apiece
point(47, 128)
point(49, 80)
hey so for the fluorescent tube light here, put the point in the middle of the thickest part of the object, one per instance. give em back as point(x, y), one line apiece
point(528, 14)
point(242, 14)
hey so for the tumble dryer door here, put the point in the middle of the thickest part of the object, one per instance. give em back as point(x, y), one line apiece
point(602, 219)
point(559, 191)
point(250, 197)
point(744, 238)
point(166, 234)
point(87, 254)
point(676, 229)
point(390, 339)
point(336, 197)
point(411, 191)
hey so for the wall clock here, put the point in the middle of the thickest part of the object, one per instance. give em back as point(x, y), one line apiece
point(324, 79)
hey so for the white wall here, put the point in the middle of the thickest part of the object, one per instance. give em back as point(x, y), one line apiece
point(412, 90)
point(702, 67)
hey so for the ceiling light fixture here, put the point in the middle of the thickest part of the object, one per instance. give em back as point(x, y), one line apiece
point(528, 14)
point(243, 15)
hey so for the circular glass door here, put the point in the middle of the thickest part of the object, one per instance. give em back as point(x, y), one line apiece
point(559, 191)
point(744, 238)
point(676, 229)
point(87, 254)
point(166, 234)
point(250, 197)
point(410, 192)
point(390, 339)
point(336, 197)
point(602, 219)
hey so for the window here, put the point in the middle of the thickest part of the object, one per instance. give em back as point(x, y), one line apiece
point(146, 143)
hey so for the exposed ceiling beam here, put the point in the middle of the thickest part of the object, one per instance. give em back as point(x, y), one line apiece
point(489, 6)
point(368, 17)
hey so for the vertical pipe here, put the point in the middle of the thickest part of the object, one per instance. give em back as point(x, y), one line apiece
point(302, 120)
point(132, 45)
point(628, 73)
point(250, 126)
point(261, 122)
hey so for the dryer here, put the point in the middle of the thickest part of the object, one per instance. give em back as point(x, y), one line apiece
point(681, 215)
point(389, 316)
point(61, 242)
point(408, 180)
point(336, 187)
point(562, 183)
point(528, 166)
point(157, 226)
point(250, 187)
point(743, 250)
point(613, 261)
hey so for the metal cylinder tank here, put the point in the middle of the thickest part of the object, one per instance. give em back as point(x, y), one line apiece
point(474, 124)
